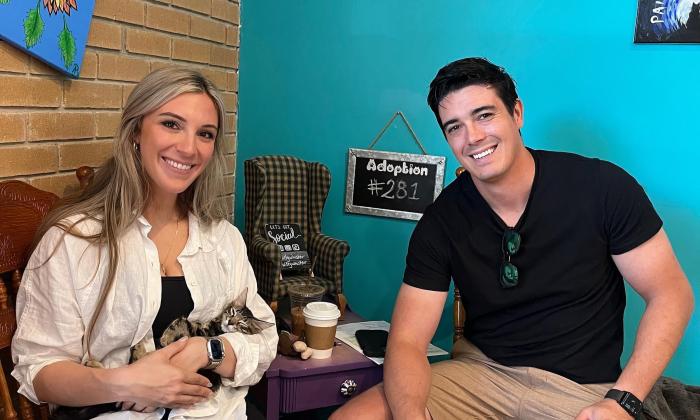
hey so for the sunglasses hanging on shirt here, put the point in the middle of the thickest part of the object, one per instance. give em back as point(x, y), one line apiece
point(508, 274)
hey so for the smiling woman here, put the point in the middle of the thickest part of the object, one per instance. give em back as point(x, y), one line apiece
point(176, 143)
point(146, 242)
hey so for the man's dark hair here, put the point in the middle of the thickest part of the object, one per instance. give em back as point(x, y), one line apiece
point(467, 72)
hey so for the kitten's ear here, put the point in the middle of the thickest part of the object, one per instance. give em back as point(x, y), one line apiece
point(257, 325)
point(239, 302)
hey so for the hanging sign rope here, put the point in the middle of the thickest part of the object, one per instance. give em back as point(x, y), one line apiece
point(408, 125)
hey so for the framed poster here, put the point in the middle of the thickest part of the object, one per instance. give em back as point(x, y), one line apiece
point(668, 21)
point(399, 185)
point(54, 31)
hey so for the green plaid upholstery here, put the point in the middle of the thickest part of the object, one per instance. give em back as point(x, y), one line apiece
point(284, 189)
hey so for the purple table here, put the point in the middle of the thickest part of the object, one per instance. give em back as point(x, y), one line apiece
point(292, 384)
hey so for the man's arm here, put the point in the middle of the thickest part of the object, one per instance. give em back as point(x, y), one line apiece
point(406, 369)
point(653, 271)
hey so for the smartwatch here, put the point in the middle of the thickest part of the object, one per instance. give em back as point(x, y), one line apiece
point(215, 352)
point(627, 400)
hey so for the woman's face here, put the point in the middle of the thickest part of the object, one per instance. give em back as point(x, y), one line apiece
point(177, 142)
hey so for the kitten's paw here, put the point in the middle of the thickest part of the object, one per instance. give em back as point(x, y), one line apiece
point(94, 364)
point(138, 351)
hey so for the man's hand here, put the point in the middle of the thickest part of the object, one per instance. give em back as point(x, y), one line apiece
point(605, 409)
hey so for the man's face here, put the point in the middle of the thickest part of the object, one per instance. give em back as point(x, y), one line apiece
point(481, 132)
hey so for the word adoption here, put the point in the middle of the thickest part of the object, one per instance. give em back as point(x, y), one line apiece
point(408, 169)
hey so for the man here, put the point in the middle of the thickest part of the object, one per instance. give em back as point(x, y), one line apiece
point(538, 243)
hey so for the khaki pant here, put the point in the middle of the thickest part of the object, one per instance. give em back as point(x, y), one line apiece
point(472, 386)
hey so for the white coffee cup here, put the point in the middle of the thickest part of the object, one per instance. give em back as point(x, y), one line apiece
point(321, 319)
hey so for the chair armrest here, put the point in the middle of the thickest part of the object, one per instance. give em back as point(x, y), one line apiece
point(329, 254)
point(266, 259)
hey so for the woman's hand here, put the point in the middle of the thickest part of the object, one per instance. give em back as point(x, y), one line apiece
point(153, 381)
point(193, 357)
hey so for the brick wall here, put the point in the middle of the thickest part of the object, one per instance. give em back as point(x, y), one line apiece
point(51, 124)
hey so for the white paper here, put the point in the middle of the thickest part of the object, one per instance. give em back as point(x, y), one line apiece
point(346, 333)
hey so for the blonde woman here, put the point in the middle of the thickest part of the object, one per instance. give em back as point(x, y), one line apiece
point(145, 243)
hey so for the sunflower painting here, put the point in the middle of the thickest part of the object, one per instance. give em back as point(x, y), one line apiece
point(55, 31)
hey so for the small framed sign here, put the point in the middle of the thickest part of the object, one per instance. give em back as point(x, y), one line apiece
point(289, 239)
point(399, 185)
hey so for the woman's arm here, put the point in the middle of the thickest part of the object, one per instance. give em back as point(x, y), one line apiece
point(47, 348)
point(150, 382)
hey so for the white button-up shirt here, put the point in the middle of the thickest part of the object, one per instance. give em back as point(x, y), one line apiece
point(60, 288)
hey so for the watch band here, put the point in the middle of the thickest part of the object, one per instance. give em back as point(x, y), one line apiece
point(215, 352)
point(627, 400)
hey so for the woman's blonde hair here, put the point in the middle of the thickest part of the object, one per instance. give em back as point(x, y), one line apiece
point(117, 195)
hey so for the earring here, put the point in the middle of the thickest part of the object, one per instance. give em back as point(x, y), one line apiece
point(137, 147)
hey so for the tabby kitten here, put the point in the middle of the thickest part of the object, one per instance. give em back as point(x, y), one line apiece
point(235, 318)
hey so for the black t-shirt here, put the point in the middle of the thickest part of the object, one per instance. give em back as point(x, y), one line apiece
point(566, 313)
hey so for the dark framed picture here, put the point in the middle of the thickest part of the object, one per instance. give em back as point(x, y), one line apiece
point(668, 21)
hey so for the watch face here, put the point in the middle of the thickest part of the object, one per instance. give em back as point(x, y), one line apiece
point(217, 349)
point(631, 403)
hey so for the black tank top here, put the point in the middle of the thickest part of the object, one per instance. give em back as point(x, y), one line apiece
point(175, 301)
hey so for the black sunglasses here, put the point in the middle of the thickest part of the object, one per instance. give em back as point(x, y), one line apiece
point(509, 273)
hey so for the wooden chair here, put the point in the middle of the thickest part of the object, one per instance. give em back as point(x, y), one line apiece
point(22, 207)
point(458, 311)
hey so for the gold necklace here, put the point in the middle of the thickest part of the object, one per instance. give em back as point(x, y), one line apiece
point(162, 264)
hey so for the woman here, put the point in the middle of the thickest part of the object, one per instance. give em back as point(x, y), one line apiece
point(145, 243)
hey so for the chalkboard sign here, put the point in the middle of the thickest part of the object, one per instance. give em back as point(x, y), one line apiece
point(389, 184)
point(289, 239)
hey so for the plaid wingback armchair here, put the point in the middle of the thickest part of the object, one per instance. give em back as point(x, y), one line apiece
point(284, 189)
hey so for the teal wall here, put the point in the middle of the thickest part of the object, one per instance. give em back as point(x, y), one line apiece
point(318, 77)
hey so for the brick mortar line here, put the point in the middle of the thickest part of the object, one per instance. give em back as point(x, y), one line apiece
point(23, 178)
point(36, 110)
point(30, 176)
point(91, 140)
point(14, 73)
point(177, 7)
point(39, 76)
point(95, 48)
point(220, 67)
point(27, 178)
point(105, 81)
point(225, 21)
point(49, 142)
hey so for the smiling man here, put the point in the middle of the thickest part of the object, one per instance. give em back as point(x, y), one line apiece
point(538, 243)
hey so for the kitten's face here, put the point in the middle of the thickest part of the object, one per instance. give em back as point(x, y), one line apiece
point(238, 318)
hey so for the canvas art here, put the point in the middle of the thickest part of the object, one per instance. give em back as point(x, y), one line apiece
point(54, 31)
point(668, 21)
